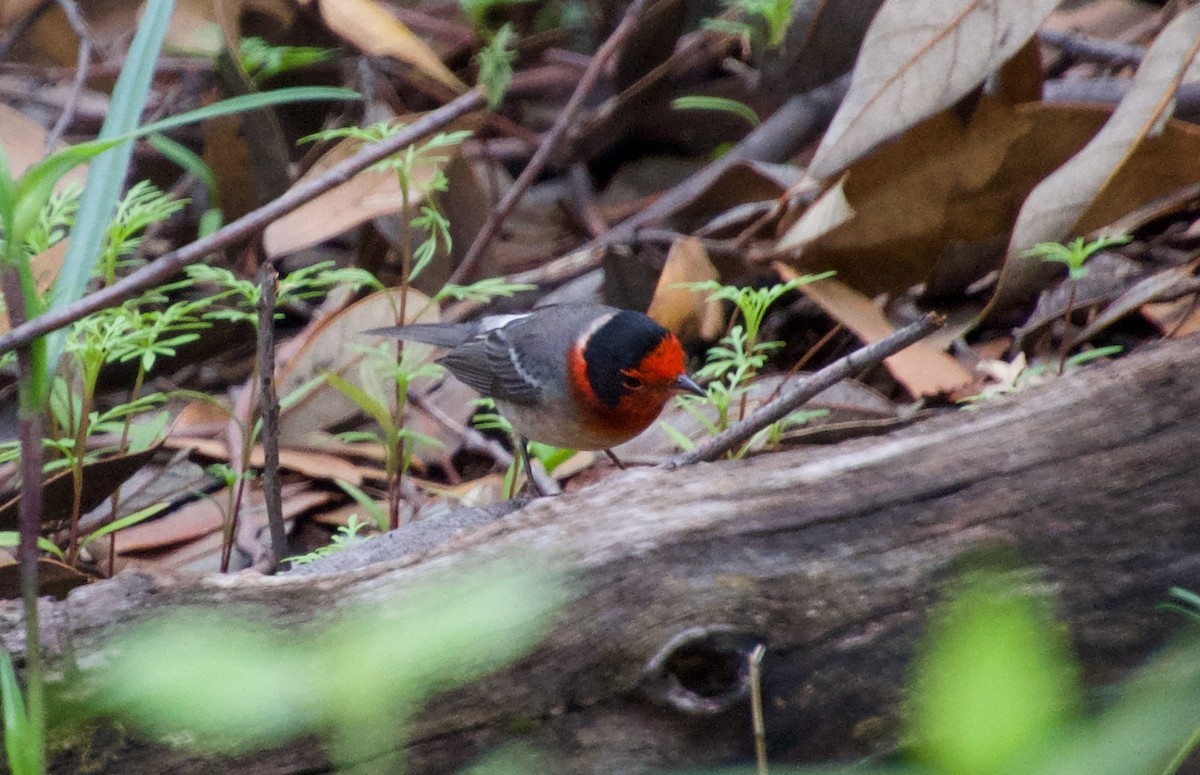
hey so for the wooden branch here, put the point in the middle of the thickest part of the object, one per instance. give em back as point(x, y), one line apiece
point(832, 557)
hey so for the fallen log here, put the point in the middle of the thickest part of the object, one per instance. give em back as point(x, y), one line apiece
point(832, 557)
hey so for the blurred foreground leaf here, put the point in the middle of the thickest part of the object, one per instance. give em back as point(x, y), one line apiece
point(225, 683)
point(996, 680)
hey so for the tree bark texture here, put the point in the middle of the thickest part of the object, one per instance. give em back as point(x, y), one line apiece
point(832, 557)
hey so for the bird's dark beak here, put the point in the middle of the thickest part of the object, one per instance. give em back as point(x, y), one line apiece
point(688, 385)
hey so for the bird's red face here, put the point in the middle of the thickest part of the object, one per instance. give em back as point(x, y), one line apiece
point(624, 372)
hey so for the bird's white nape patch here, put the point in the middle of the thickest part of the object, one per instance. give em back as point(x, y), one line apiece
point(493, 322)
point(586, 334)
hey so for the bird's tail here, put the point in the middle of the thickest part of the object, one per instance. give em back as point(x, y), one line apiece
point(436, 334)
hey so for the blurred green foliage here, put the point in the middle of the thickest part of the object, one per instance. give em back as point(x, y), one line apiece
point(221, 682)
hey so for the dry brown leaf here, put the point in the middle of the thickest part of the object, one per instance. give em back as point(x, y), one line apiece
point(13, 10)
point(819, 45)
point(100, 479)
point(848, 402)
point(198, 418)
point(196, 26)
point(689, 314)
point(368, 25)
point(316, 465)
point(937, 205)
point(942, 183)
point(281, 12)
point(369, 194)
point(24, 140)
point(338, 344)
point(1177, 318)
point(917, 59)
point(191, 535)
point(25, 145)
point(1021, 77)
point(227, 154)
point(1053, 211)
point(827, 213)
point(1136, 297)
point(187, 523)
point(741, 183)
point(922, 370)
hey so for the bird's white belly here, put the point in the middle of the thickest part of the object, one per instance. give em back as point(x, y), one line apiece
point(548, 426)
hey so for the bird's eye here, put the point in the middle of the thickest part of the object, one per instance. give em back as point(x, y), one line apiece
point(632, 383)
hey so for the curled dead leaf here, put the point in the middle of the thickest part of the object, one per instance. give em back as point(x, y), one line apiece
point(689, 314)
point(922, 369)
point(338, 344)
point(1059, 204)
point(369, 26)
point(920, 58)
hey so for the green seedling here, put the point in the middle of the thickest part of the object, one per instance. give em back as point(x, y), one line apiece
point(1074, 256)
point(774, 16)
point(343, 538)
point(1020, 376)
point(262, 61)
point(420, 175)
point(482, 291)
point(496, 64)
point(732, 365)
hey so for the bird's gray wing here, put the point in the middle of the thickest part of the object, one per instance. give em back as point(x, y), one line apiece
point(490, 365)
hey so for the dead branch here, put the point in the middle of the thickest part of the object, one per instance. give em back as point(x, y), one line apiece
point(832, 557)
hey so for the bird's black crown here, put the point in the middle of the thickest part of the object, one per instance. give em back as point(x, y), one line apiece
point(617, 346)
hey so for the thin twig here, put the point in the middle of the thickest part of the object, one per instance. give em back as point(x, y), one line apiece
point(804, 390)
point(268, 408)
point(29, 514)
point(550, 144)
point(83, 59)
point(168, 265)
point(471, 439)
point(22, 26)
point(756, 708)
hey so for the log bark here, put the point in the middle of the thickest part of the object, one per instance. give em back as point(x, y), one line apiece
point(832, 557)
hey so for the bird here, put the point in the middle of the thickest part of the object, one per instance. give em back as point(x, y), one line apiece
point(577, 376)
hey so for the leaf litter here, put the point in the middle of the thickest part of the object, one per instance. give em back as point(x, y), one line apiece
point(941, 168)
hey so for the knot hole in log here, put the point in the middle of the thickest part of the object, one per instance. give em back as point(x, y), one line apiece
point(702, 671)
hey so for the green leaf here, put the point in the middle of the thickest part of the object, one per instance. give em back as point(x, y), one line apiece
point(186, 159)
point(126, 521)
point(223, 681)
point(246, 102)
point(1149, 728)
point(33, 190)
point(995, 682)
point(720, 104)
point(23, 750)
point(7, 195)
point(362, 400)
point(107, 173)
point(10, 539)
point(369, 504)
